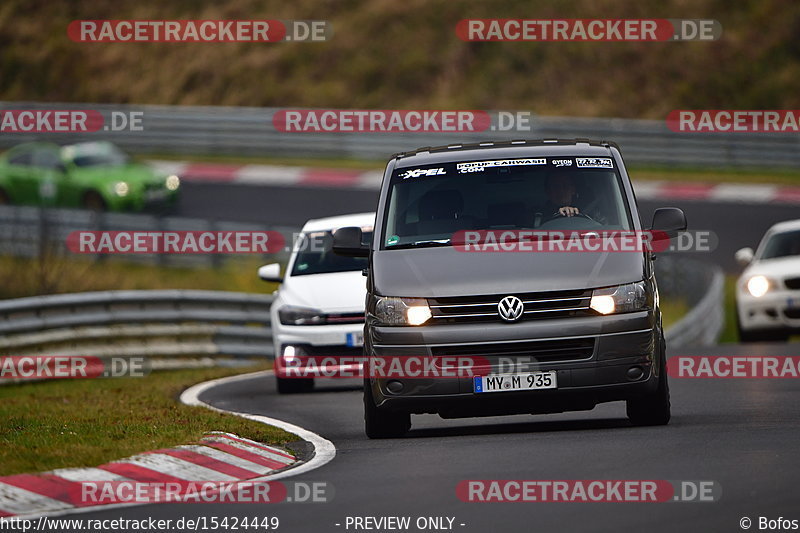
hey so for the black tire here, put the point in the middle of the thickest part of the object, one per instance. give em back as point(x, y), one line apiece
point(4, 199)
point(294, 385)
point(761, 336)
point(381, 424)
point(653, 409)
point(745, 336)
point(775, 336)
point(93, 201)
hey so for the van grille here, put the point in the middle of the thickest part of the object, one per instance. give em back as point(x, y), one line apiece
point(537, 305)
point(542, 351)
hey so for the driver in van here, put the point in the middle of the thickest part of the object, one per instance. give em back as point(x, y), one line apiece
point(561, 196)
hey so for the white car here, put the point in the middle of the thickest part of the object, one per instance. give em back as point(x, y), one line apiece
point(318, 313)
point(768, 291)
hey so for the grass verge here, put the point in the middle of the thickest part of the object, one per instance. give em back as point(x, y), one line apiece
point(74, 423)
point(729, 333)
point(672, 310)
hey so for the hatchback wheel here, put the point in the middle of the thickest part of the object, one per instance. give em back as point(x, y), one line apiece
point(294, 385)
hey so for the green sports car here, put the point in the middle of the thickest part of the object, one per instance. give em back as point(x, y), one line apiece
point(92, 175)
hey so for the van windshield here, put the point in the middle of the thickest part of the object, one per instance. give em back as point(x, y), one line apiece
point(427, 205)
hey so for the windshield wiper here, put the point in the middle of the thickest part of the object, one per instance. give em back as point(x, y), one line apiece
point(420, 244)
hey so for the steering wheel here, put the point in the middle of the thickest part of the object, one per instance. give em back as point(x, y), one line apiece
point(556, 214)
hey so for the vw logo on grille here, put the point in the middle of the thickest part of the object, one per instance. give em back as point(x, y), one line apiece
point(510, 308)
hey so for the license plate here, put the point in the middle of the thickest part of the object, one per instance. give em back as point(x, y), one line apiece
point(515, 382)
point(155, 195)
point(355, 339)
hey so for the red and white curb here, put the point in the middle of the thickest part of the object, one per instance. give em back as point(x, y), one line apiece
point(219, 457)
point(359, 179)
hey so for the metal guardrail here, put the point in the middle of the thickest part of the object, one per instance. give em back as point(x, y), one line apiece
point(175, 323)
point(32, 231)
point(702, 285)
point(153, 323)
point(249, 131)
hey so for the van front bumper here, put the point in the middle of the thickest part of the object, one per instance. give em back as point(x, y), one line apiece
point(615, 359)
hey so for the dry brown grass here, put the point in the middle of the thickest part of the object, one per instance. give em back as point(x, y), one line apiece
point(389, 54)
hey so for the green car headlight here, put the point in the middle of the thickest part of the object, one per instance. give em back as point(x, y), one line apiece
point(173, 182)
point(121, 188)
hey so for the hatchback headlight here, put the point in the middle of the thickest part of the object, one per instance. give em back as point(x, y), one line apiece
point(622, 299)
point(291, 315)
point(393, 311)
point(758, 286)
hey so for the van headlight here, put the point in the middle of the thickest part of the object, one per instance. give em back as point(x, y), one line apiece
point(622, 298)
point(758, 286)
point(290, 315)
point(393, 311)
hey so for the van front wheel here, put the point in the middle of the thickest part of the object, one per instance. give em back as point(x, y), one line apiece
point(380, 424)
point(654, 408)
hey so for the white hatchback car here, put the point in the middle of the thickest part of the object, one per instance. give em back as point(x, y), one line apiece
point(768, 291)
point(318, 313)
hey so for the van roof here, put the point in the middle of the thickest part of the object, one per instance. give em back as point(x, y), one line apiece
point(461, 152)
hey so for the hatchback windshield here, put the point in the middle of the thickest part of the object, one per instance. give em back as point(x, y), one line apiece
point(95, 155)
point(315, 255)
point(782, 245)
point(427, 205)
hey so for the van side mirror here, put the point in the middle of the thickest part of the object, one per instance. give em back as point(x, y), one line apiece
point(744, 256)
point(669, 220)
point(347, 242)
point(270, 272)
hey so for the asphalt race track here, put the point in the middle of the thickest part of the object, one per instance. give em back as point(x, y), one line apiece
point(739, 433)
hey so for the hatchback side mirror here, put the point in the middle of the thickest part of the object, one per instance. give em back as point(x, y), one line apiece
point(270, 272)
point(669, 220)
point(744, 256)
point(347, 242)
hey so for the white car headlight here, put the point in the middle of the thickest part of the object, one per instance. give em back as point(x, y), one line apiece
point(290, 315)
point(622, 298)
point(172, 183)
point(121, 188)
point(758, 286)
point(393, 311)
